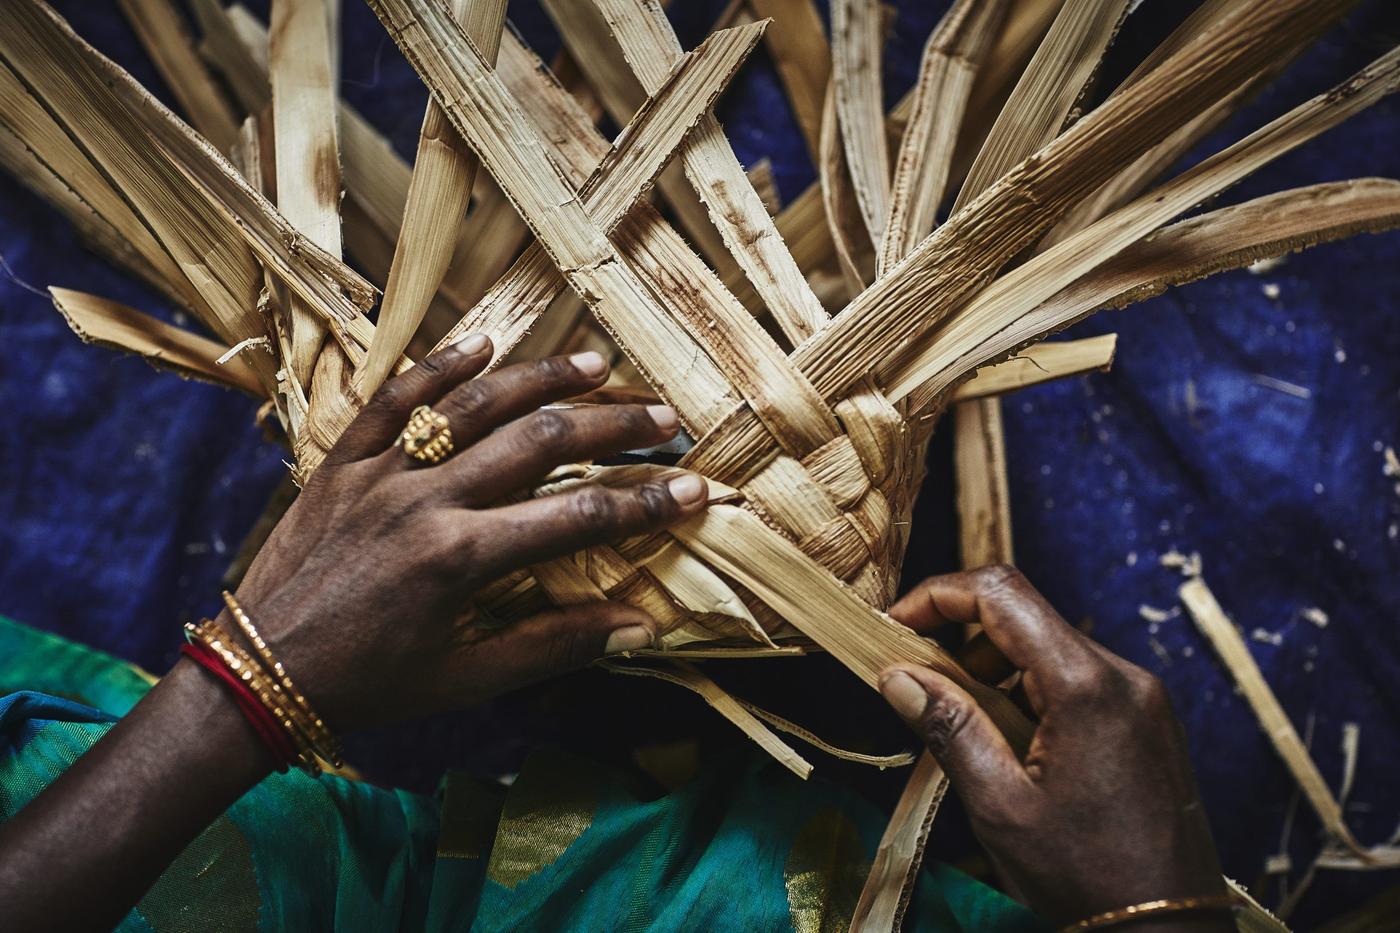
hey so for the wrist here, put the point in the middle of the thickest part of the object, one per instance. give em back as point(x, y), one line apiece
point(208, 732)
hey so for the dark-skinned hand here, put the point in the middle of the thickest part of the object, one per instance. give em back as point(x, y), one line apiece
point(1103, 812)
point(360, 588)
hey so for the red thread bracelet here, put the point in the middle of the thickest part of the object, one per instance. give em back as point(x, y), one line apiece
point(267, 728)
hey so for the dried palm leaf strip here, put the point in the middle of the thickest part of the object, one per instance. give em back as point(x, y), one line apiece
point(191, 166)
point(722, 702)
point(845, 227)
point(1130, 182)
point(960, 257)
point(443, 174)
point(952, 56)
point(1040, 363)
point(1055, 269)
point(1229, 238)
point(304, 68)
point(857, 43)
point(802, 58)
point(651, 48)
point(166, 38)
point(1051, 85)
point(376, 178)
point(482, 109)
point(885, 897)
point(593, 49)
point(56, 156)
point(744, 352)
point(165, 346)
point(800, 223)
point(1213, 623)
point(69, 79)
point(825, 609)
point(94, 230)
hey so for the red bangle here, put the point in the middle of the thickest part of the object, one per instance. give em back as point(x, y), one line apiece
point(257, 715)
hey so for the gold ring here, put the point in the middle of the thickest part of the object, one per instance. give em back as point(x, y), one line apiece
point(427, 436)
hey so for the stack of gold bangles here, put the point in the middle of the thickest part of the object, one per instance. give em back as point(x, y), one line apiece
point(276, 709)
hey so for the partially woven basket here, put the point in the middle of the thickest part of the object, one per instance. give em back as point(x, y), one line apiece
point(809, 425)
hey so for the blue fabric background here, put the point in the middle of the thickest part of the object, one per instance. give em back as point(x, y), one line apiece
point(124, 492)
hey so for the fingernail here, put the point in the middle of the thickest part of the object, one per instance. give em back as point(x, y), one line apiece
point(687, 489)
point(905, 695)
point(591, 364)
point(664, 416)
point(631, 638)
point(471, 344)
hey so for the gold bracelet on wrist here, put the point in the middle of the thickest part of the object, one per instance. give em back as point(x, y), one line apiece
point(325, 743)
point(213, 637)
point(1214, 902)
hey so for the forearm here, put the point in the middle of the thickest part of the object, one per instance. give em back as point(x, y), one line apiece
point(85, 850)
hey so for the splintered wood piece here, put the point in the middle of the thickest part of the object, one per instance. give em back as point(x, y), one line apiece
point(736, 210)
point(1040, 363)
point(443, 174)
point(952, 56)
point(1027, 286)
point(1051, 85)
point(165, 37)
point(802, 57)
point(590, 42)
point(857, 42)
point(1217, 627)
point(110, 324)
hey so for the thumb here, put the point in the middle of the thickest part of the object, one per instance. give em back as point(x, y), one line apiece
point(569, 638)
point(959, 733)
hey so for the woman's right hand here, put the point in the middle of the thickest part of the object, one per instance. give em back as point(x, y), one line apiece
point(1103, 812)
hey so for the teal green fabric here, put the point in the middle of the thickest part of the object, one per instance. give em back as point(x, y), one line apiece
point(568, 846)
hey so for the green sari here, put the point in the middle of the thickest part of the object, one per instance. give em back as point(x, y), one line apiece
point(742, 847)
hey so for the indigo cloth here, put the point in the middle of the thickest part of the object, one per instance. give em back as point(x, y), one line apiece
point(1247, 419)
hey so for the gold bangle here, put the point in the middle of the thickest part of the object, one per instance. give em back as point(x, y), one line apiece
point(322, 740)
point(1149, 908)
point(213, 637)
point(297, 726)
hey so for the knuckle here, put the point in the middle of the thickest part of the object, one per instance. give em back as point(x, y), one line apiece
point(595, 507)
point(656, 501)
point(390, 397)
point(944, 722)
point(1090, 682)
point(471, 398)
point(566, 649)
point(555, 370)
point(432, 366)
point(995, 577)
point(549, 429)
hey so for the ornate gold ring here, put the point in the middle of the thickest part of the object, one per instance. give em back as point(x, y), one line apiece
point(427, 436)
